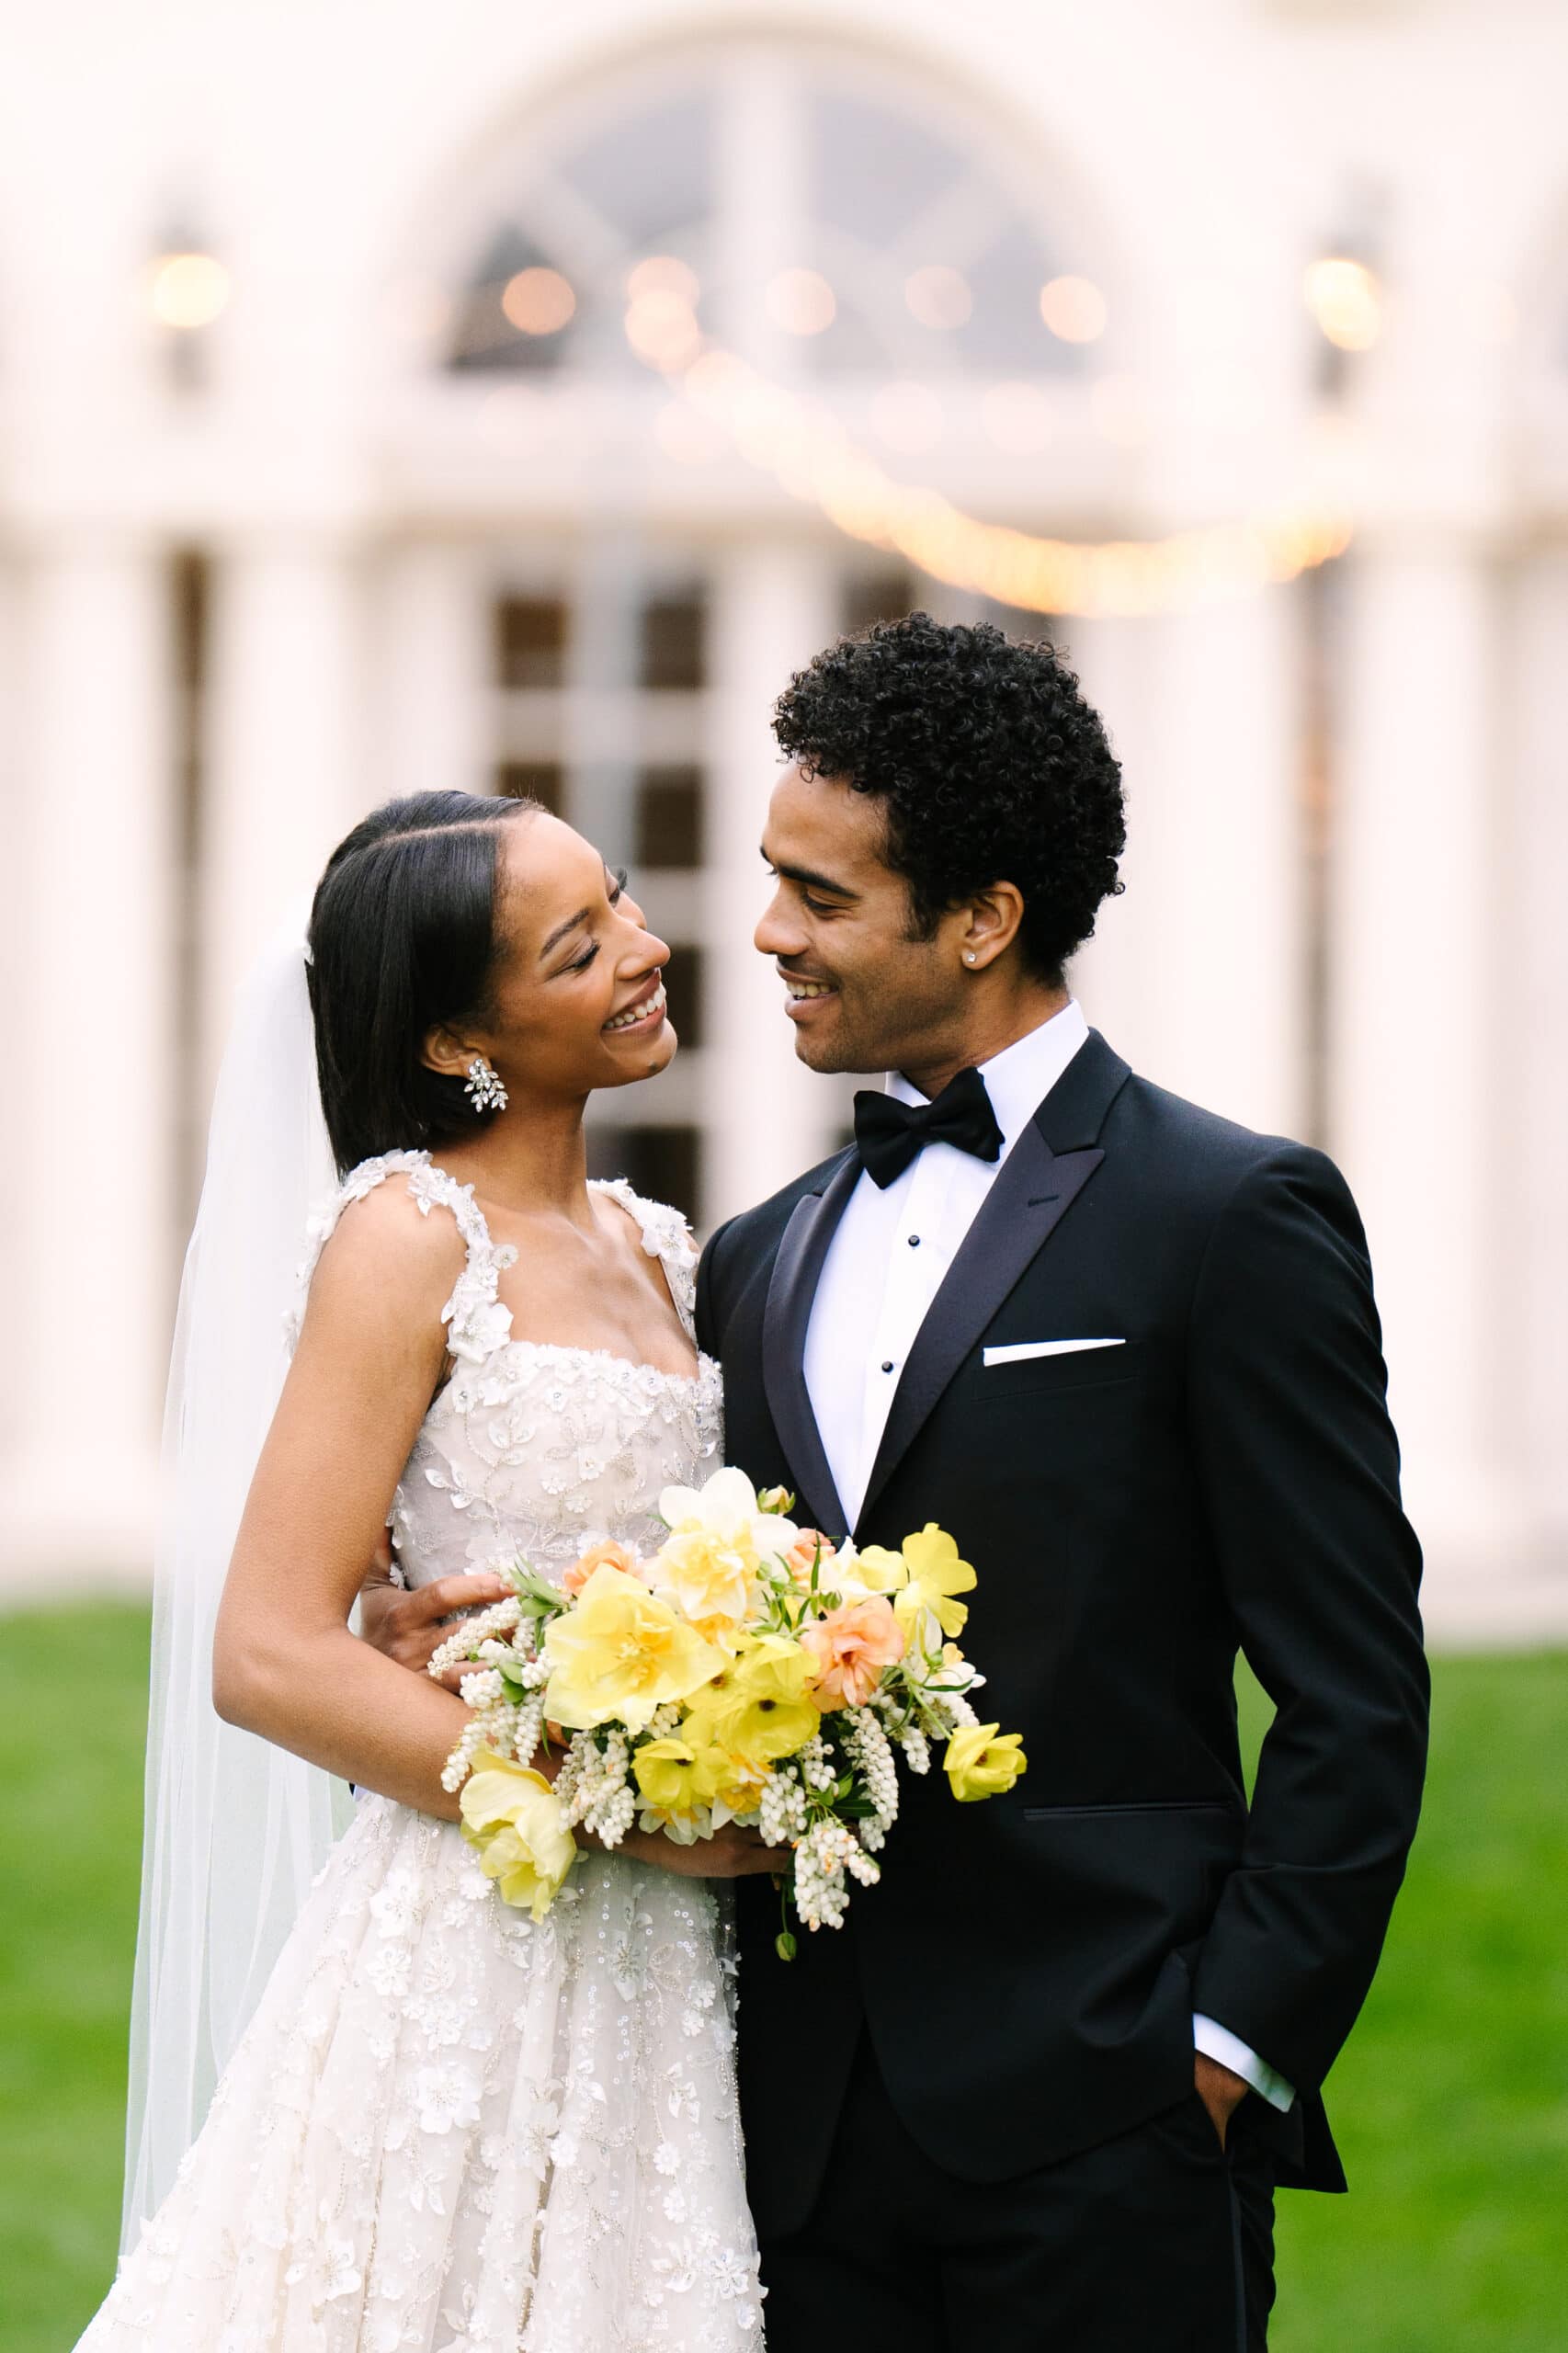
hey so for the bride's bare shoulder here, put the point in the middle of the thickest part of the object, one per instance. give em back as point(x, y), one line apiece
point(386, 1249)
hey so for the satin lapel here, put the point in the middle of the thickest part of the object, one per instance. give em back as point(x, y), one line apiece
point(791, 1292)
point(1033, 1191)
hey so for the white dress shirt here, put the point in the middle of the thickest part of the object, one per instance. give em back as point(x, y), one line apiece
point(884, 1267)
point(887, 1261)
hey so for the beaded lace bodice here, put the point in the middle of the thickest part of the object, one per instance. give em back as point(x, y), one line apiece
point(450, 2128)
point(530, 1447)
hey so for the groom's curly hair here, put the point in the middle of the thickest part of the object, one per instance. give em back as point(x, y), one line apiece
point(991, 765)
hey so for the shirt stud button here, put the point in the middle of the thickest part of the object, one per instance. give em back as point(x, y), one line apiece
point(887, 1365)
point(915, 1242)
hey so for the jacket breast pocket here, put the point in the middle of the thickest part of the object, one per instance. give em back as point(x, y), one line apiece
point(1038, 1379)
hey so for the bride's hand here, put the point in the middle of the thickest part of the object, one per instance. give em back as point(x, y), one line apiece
point(731, 1853)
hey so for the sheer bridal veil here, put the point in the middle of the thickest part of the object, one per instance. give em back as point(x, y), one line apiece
point(236, 1830)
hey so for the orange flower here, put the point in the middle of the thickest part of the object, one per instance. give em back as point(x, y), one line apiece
point(811, 1545)
point(852, 1646)
point(577, 1576)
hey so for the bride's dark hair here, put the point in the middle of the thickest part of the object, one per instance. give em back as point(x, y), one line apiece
point(402, 940)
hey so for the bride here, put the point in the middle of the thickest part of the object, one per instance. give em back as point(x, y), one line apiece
point(445, 2128)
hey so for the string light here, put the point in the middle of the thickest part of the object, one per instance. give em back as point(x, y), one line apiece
point(1074, 309)
point(662, 274)
point(801, 301)
point(807, 449)
point(538, 301)
point(661, 327)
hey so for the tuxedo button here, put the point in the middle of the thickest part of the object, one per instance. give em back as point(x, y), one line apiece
point(915, 1242)
point(888, 1366)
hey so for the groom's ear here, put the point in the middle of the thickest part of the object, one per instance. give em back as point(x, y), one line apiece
point(445, 1054)
point(988, 925)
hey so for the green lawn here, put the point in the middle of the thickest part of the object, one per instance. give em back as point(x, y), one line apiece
point(68, 1894)
point(1451, 2104)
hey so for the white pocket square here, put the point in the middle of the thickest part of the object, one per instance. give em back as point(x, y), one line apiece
point(1018, 1351)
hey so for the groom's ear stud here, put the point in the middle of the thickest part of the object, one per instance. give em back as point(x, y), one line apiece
point(969, 955)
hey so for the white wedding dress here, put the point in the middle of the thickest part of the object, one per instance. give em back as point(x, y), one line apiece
point(448, 2130)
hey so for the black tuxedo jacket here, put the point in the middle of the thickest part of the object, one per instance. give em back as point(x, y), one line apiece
point(1028, 1967)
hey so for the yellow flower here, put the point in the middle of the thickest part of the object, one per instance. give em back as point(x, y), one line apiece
point(741, 1789)
point(936, 1574)
point(676, 1777)
point(763, 1711)
point(879, 1569)
point(708, 1579)
point(981, 1762)
point(513, 1817)
point(728, 1505)
point(621, 1654)
point(704, 1707)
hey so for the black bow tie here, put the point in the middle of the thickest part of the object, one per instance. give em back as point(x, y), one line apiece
point(889, 1133)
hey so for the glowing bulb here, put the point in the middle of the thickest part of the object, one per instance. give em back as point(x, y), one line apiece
point(1074, 309)
point(538, 301)
point(189, 290)
point(662, 274)
point(717, 376)
point(661, 329)
point(801, 301)
point(1344, 298)
point(938, 297)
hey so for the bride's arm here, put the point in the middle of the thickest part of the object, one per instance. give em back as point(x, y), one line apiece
point(284, 1661)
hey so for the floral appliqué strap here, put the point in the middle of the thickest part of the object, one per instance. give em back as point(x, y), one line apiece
point(665, 1236)
point(477, 1324)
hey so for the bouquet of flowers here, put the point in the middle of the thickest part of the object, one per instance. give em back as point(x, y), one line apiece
point(748, 1671)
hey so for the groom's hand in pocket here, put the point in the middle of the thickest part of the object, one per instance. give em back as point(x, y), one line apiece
point(1221, 2091)
point(407, 1627)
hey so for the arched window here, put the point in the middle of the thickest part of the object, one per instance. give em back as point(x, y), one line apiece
point(879, 255)
point(814, 213)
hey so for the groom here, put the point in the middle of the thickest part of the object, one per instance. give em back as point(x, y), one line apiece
point(1033, 2098)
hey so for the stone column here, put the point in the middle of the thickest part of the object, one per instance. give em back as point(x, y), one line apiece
point(1531, 1043)
point(286, 771)
point(430, 680)
point(765, 1115)
point(15, 1115)
point(1111, 977)
point(1414, 1020)
point(1198, 971)
point(93, 1198)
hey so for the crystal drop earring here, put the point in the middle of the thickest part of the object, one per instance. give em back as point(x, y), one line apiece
point(483, 1083)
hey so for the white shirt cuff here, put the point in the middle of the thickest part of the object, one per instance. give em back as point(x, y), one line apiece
point(1217, 2043)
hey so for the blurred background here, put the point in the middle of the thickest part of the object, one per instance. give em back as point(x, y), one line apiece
point(485, 396)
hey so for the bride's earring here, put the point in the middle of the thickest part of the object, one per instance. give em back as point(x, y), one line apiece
point(483, 1082)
